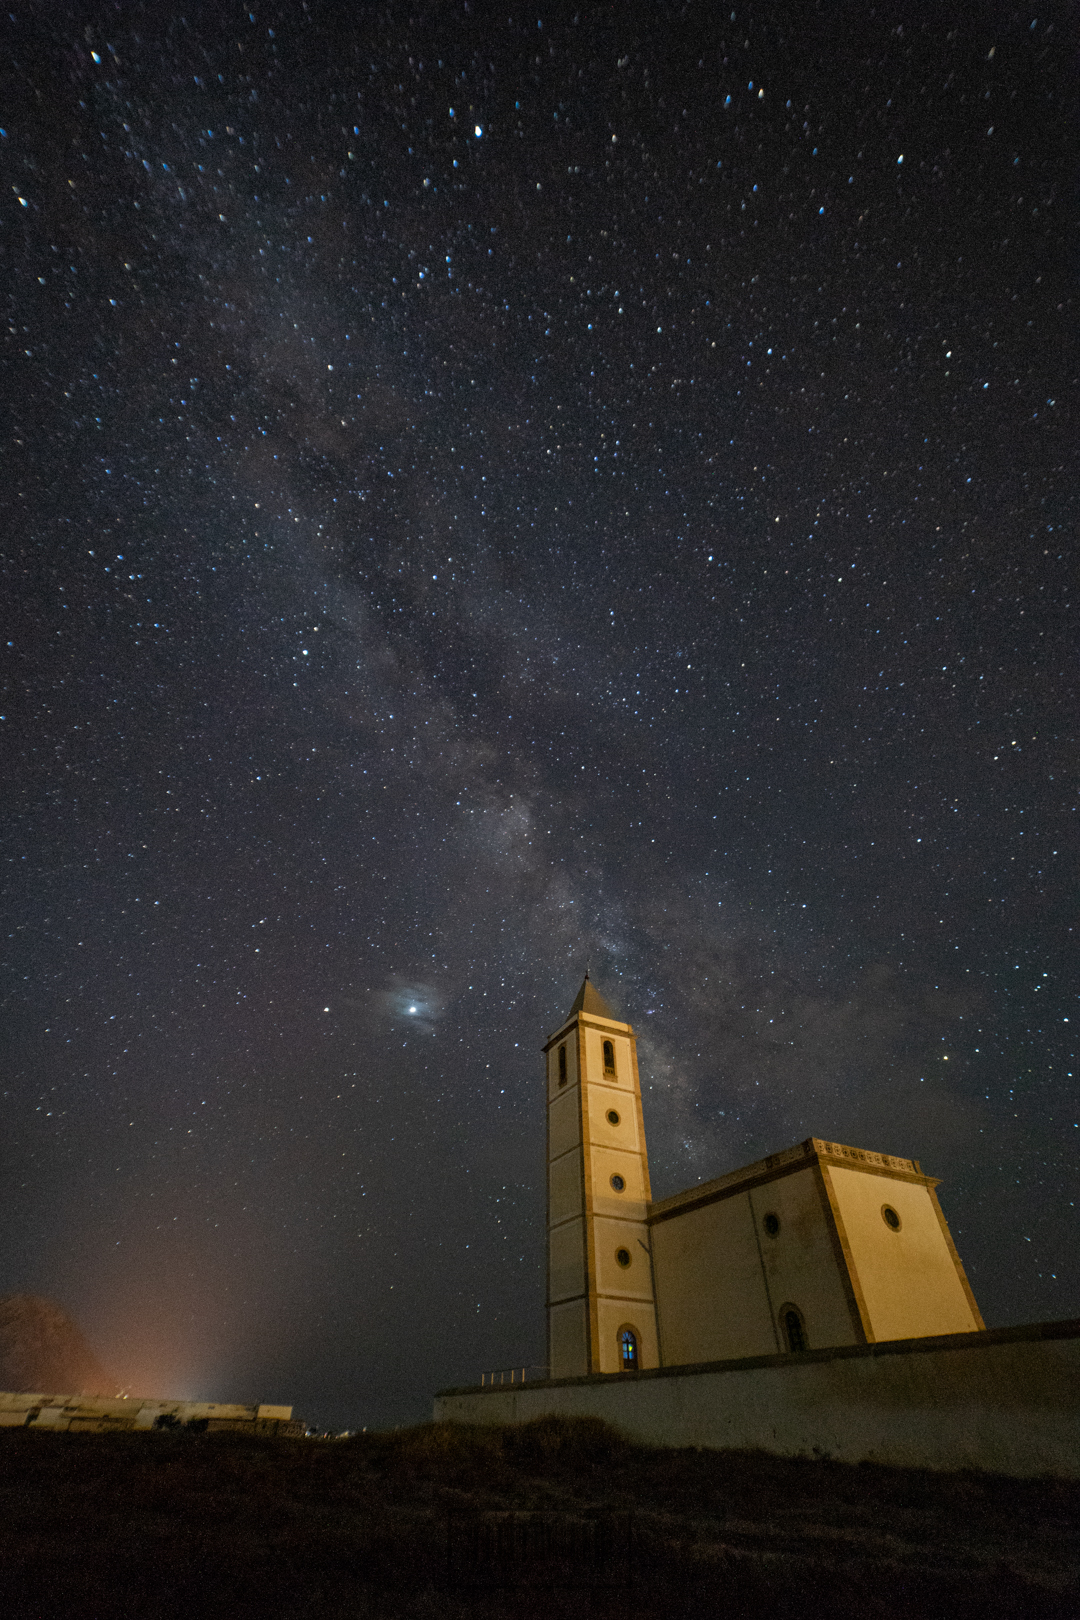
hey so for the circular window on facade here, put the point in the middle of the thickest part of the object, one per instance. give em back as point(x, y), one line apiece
point(618, 1183)
point(612, 1117)
point(771, 1223)
point(890, 1217)
point(623, 1257)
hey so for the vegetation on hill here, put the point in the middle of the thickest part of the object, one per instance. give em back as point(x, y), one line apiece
point(446, 1520)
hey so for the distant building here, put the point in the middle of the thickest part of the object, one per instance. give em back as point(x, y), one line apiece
point(820, 1245)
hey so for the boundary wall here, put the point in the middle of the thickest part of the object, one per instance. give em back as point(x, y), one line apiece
point(1005, 1401)
point(93, 1414)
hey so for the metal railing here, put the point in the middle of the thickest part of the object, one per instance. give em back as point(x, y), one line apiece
point(511, 1375)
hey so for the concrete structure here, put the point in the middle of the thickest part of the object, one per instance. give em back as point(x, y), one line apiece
point(819, 1245)
point(1007, 1401)
point(811, 1304)
point(89, 1414)
point(600, 1290)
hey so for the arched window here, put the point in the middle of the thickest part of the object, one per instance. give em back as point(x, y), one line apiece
point(609, 1057)
point(628, 1350)
point(562, 1064)
point(794, 1327)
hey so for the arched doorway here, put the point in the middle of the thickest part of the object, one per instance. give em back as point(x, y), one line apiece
point(794, 1328)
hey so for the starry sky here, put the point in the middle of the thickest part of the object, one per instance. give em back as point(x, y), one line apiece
point(489, 491)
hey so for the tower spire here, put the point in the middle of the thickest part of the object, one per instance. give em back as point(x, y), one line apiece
point(589, 1000)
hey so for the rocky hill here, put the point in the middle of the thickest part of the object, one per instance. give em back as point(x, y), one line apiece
point(41, 1349)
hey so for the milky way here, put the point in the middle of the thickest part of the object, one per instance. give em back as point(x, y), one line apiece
point(488, 493)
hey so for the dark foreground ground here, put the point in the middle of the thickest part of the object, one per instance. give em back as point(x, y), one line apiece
point(554, 1518)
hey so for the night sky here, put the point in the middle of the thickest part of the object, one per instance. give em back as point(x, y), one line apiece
point(488, 492)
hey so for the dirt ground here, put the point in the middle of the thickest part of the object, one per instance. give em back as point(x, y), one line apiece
point(555, 1518)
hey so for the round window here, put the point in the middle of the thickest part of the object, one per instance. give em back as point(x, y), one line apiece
point(618, 1183)
point(771, 1223)
point(612, 1117)
point(890, 1217)
point(623, 1257)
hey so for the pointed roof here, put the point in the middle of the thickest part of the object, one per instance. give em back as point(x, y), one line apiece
point(590, 1000)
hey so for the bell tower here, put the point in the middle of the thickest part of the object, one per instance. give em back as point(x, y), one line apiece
point(600, 1296)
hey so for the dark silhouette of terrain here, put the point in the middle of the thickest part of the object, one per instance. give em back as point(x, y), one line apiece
point(551, 1519)
point(42, 1350)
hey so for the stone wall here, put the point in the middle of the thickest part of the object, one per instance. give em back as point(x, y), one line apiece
point(1005, 1401)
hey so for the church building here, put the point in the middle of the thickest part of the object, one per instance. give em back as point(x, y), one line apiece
point(816, 1246)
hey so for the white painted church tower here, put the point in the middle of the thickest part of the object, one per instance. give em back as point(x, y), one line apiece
point(600, 1294)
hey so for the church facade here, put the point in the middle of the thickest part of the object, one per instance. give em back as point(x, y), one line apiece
point(817, 1246)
